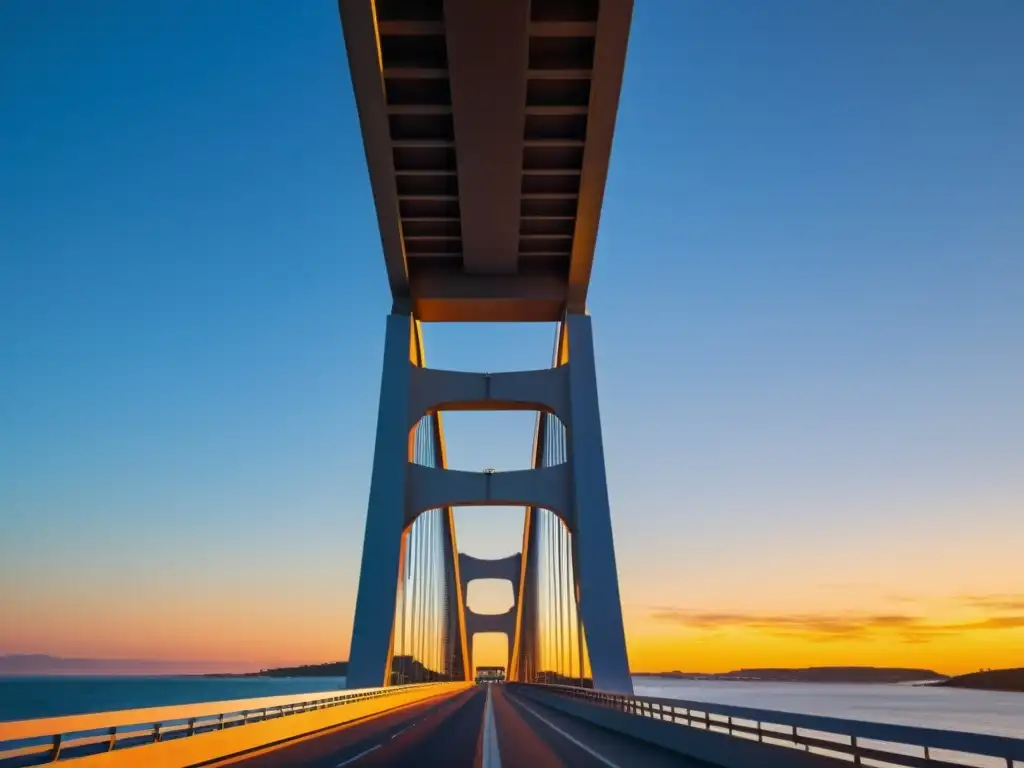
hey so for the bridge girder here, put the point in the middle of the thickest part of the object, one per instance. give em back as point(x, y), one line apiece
point(488, 130)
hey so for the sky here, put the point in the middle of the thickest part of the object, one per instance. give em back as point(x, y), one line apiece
point(808, 302)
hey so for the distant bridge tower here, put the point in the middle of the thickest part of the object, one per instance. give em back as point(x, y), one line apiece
point(488, 130)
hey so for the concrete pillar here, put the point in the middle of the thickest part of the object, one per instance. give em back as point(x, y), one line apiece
point(370, 655)
point(596, 574)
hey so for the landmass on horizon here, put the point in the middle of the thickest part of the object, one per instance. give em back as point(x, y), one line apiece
point(39, 664)
point(811, 675)
point(989, 680)
point(44, 665)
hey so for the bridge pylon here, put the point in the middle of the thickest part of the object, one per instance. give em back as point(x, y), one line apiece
point(552, 623)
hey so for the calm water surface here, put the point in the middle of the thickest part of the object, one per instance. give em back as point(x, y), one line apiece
point(977, 711)
point(992, 712)
point(25, 697)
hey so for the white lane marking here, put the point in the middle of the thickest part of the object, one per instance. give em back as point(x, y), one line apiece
point(362, 754)
point(378, 746)
point(491, 753)
point(574, 740)
point(365, 752)
point(410, 725)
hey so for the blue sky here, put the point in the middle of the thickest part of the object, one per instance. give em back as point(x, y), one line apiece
point(808, 299)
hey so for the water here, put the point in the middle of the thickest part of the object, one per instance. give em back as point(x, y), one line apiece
point(964, 710)
point(22, 698)
point(997, 713)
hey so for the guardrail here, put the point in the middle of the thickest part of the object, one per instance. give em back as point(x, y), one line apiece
point(90, 736)
point(862, 743)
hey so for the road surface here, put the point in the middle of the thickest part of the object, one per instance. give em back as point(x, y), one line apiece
point(457, 731)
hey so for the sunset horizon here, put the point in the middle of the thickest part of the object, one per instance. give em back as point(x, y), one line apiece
point(799, 338)
point(960, 634)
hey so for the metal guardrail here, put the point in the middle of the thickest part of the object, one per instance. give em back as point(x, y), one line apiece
point(859, 742)
point(54, 738)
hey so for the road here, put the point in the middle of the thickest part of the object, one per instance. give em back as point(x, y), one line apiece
point(455, 731)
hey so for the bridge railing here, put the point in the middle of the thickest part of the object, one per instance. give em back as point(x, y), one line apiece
point(53, 738)
point(859, 742)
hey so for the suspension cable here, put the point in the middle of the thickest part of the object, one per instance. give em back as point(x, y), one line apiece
point(441, 581)
point(399, 651)
point(424, 576)
point(408, 600)
point(425, 591)
point(578, 621)
point(552, 589)
point(425, 595)
point(567, 558)
point(435, 579)
point(417, 529)
point(433, 589)
point(415, 576)
point(439, 588)
point(559, 589)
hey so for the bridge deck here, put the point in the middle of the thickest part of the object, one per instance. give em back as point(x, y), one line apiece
point(456, 724)
point(488, 130)
point(452, 734)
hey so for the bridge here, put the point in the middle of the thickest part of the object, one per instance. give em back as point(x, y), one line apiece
point(488, 129)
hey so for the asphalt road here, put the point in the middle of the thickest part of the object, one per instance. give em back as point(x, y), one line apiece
point(452, 733)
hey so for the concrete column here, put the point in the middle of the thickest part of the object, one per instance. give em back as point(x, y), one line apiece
point(600, 604)
point(372, 629)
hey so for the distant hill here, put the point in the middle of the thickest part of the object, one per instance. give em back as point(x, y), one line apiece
point(989, 680)
point(44, 665)
point(818, 675)
point(328, 669)
point(41, 664)
point(838, 675)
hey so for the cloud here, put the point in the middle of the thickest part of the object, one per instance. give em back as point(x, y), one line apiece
point(997, 602)
point(996, 622)
point(832, 627)
point(903, 599)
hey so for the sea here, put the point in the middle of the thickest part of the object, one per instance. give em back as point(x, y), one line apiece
point(955, 709)
point(991, 712)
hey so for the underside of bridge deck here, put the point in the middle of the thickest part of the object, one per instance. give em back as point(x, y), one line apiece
point(488, 130)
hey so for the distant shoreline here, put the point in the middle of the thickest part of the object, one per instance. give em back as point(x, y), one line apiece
point(864, 675)
point(876, 675)
point(1005, 680)
point(923, 681)
point(330, 669)
point(765, 675)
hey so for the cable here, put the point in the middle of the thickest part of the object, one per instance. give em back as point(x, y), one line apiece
point(415, 585)
point(414, 608)
point(440, 588)
point(425, 598)
point(415, 574)
point(435, 579)
point(400, 634)
point(553, 595)
point(434, 628)
point(565, 661)
point(560, 586)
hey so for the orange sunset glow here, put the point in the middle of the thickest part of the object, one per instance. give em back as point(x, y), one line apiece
point(951, 635)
